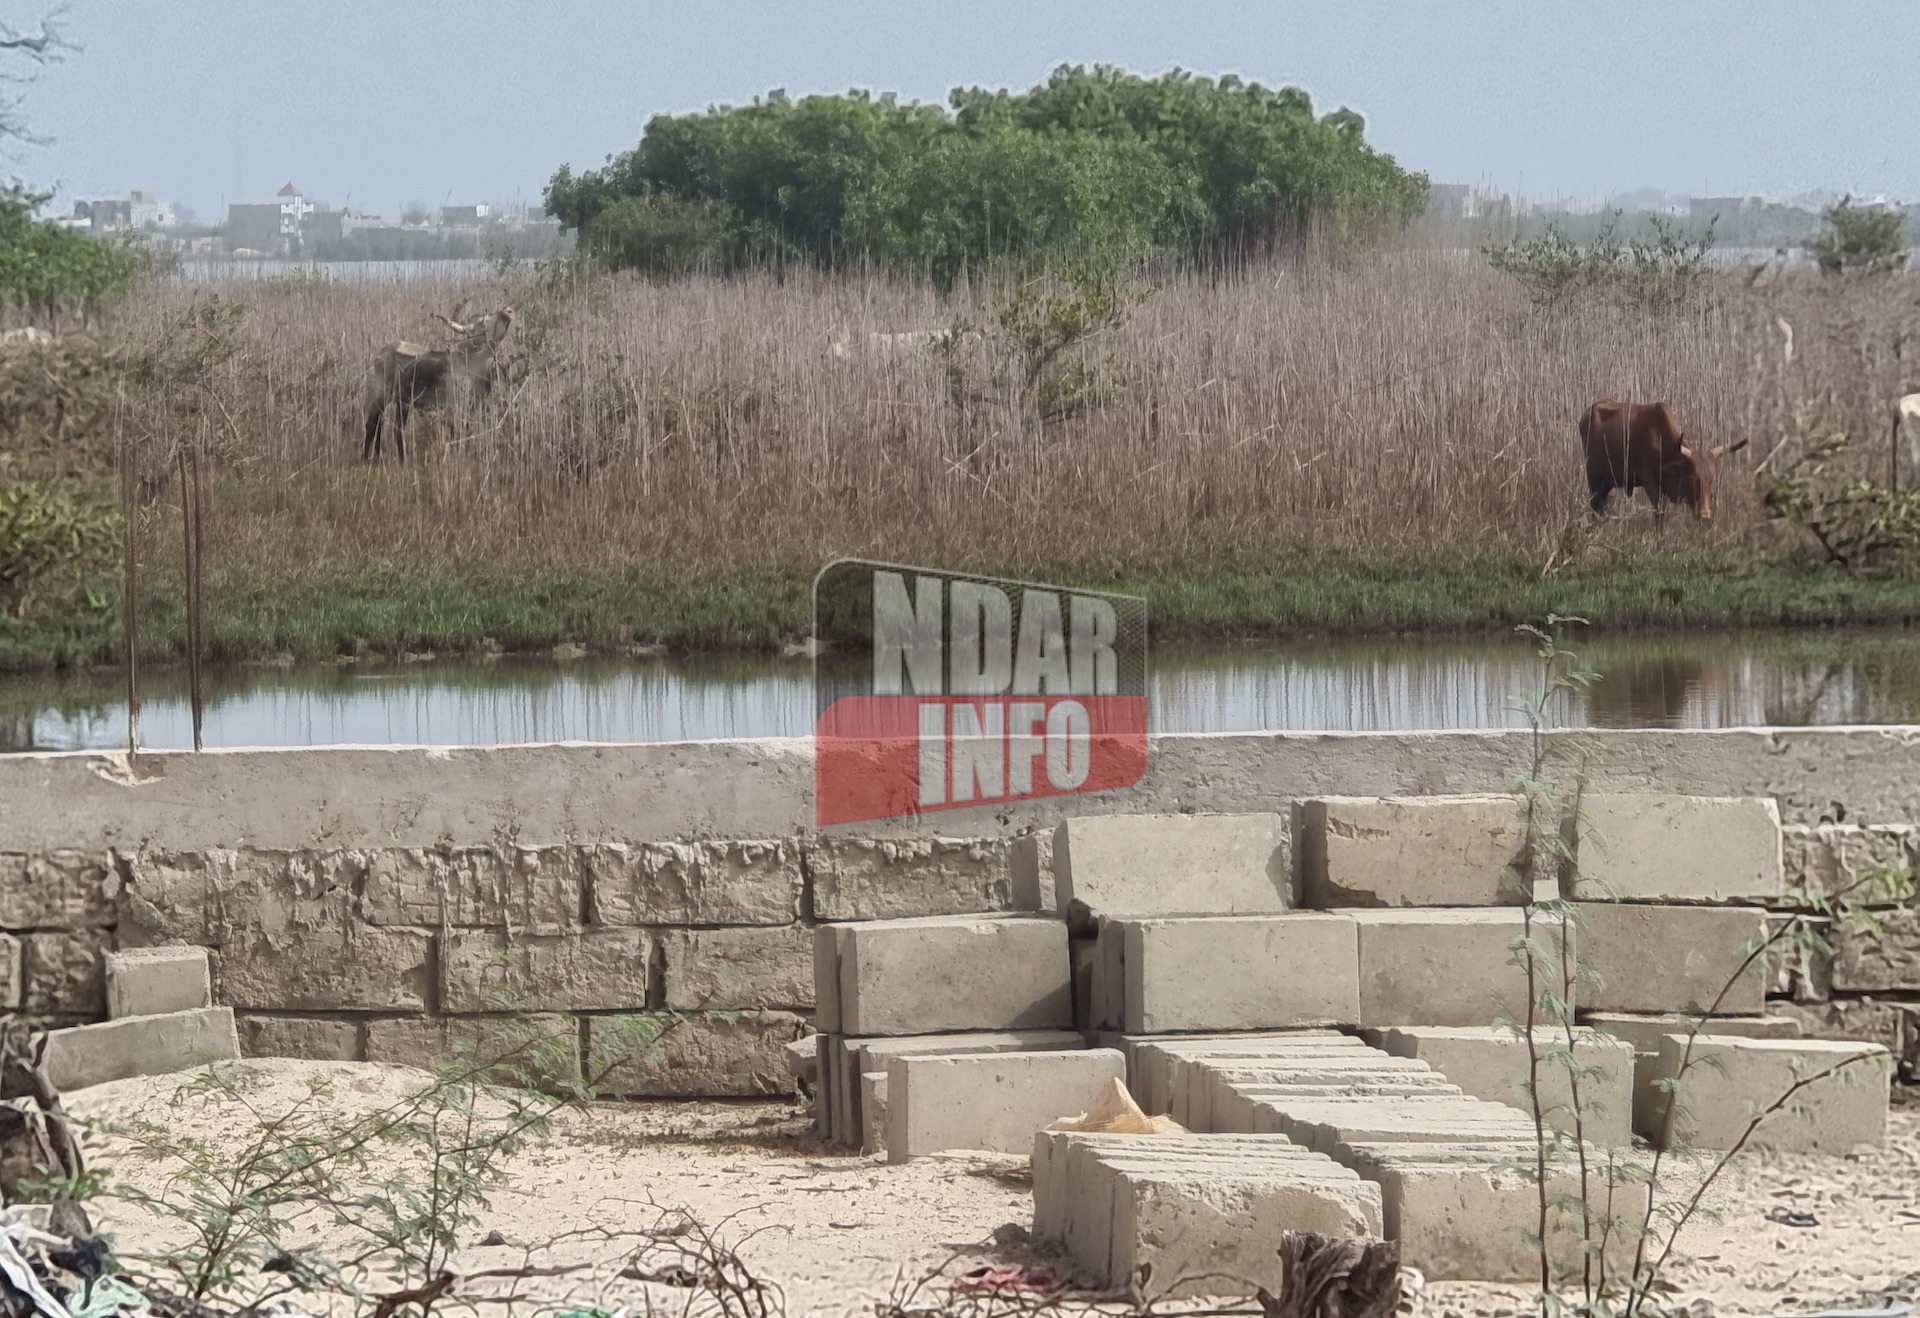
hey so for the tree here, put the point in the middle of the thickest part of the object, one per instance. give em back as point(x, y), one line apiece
point(36, 49)
point(1864, 238)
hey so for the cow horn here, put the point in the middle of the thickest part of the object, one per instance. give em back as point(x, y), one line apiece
point(1721, 450)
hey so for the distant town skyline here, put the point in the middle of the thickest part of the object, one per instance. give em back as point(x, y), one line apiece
point(224, 101)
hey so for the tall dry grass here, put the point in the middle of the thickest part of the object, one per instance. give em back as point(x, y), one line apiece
point(1413, 404)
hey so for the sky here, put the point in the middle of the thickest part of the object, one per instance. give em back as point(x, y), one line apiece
point(376, 104)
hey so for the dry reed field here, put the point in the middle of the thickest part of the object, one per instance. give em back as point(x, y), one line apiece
point(1411, 406)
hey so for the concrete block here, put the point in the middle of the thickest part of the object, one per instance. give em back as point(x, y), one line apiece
point(1411, 850)
point(1444, 967)
point(722, 1056)
point(1660, 848)
point(10, 973)
point(1494, 1064)
point(529, 1047)
point(1030, 867)
point(1672, 958)
point(1082, 954)
point(873, 1112)
point(803, 1064)
point(826, 979)
point(530, 888)
point(1240, 972)
point(1152, 1060)
point(1644, 1033)
point(1231, 1107)
point(62, 972)
point(1895, 1026)
point(868, 879)
point(347, 966)
point(1320, 1124)
point(147, 981)
point(139, 1045)
point(246, 899)
point(1107, 977)
point(870, 1056)
point(1838, 859)
point(1195, 1210)
point(58, 890)
point(826, 1053)
point(770, 966)
point(992, 1101)
point(1171, 865)
point(314, 1038)
point(1876, 960)
point(955, 973)
point(1730, 1080)
point(1200, 1083)
point(1465, 1212)
point(486, 970)
point(664, 883)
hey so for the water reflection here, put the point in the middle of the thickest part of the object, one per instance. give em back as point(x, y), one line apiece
point(1686, 682)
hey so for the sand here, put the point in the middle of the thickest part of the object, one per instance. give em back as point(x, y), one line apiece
point(838, 1232)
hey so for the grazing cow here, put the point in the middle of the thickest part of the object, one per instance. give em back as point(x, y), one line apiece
point(406, 375)
point(1641, 446)
point(1904, 450)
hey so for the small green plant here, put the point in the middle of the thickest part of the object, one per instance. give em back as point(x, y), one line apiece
point(404, 1183)
point(1657, 273)
point(1863, 239)
point(58, 540)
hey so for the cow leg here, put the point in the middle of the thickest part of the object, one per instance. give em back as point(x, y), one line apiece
point(1597, 500)
point(371, 449)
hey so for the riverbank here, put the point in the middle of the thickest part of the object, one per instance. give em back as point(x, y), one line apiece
point(255, 618)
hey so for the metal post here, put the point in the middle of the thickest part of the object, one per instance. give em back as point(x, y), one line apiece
point(131, 513)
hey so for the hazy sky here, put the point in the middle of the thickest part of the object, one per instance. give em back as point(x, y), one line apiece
point(379, 102)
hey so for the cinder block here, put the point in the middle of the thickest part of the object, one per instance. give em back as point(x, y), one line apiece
point(1672, 958)
point(506, 1050)
point(1171, 865)
point(139, 1045)
point(1730, 1080)
point(990, 1101)
point(663, 883)
point(955, 973)
point(1083, 953)
point(485, 970)
point(724, 1055)
point(858, 1057)
point(1644, 1033)
point(1411, 850)
point(720, 969)
point(1240, 972)
point(57, 890)
point(1445, 967)
point(826, 979)
point(316, 1039)
point(1231, 1106)
point(1153, 1061)
point(1878, 960)
point(147, 981)
point(1192, 1209)
point(1030, 865)
point(1836, 858)
point(10, 976)
point(1463, 1212)
point(62, 972)
point(873, 1112)
point(826, 1053)
point(1320, 1124)
point(803, 1064)
point(333, 966)
point(532, 888)
point(1200, 1082)
point(1494, 1064)
point(1107, 977)
point(1658, 848)
point(869, 879)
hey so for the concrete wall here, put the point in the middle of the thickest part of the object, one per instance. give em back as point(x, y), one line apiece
point(381, 902)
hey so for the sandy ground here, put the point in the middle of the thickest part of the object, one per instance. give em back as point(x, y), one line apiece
point(840, 1233)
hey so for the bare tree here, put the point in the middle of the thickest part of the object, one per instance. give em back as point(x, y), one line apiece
point(25, 52)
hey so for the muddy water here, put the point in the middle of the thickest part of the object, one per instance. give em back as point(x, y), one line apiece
point(1705, 681)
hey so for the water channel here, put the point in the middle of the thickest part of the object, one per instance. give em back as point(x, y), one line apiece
point(1704, 681)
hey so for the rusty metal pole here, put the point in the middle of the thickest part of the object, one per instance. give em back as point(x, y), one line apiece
point(198, 672)
point(130, 511)
point(190, 564)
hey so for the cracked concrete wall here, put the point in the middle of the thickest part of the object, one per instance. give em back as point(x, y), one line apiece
point(388, 903)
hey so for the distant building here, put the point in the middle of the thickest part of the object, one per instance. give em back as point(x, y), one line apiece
point(139, 209)
point(1450, 201)
point(1705, 208)
point(276, 227)
point(465, 215)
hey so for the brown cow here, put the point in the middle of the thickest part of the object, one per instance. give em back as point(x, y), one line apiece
point(1641, 446)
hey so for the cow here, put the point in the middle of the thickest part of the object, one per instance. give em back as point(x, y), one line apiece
point(1641, 446)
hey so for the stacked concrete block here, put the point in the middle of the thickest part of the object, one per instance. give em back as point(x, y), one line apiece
point(1197, 1212)
point(1673, 958)
point(146, 981)
point(1447, 967)
point(1234, 972)
point(1835, 1094)
point(993, 1101)
point(1650, 847)
point(164, 1021)
point(1644, 1035)
point(1410, 851)
point(953, 973)
point(1468, 1212)
point(1154, 1062)
point(1161, 865)
point(1497, 1065)
point(845, 1061)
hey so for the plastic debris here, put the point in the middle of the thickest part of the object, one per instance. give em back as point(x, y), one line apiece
point(1117, 1114)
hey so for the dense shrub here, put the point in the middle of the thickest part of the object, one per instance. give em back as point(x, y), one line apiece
point(48, 270)
point(1098, 161)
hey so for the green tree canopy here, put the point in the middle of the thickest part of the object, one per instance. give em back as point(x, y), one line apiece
point(47, 269)
point(1096, 160)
